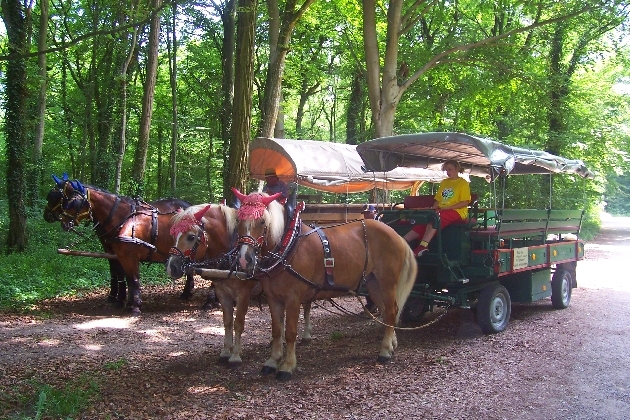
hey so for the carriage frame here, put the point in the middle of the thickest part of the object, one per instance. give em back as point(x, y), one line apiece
point(497, 256)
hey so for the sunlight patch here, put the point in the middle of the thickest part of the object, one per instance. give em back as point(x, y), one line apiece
point(212, 330)
point(49, 342)
point(114, 323)
point(95, 347)
point(208, 390)
point(177, 353)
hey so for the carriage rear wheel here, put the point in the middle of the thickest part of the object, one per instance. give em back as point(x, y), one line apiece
point(414, 309)
point(561, 286)
point(493, 309)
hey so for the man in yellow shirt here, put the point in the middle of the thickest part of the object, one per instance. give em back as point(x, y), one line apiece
point(451, 202)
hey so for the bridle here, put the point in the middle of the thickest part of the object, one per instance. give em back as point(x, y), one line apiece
point(76, 200)
point(189, 255)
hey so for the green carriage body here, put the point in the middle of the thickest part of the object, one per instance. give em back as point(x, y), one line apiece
point(498, 255)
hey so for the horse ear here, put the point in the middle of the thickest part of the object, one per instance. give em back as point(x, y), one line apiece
point(57, 180)
point(65, 176)
point(269, 199)
point(201, 212)
point(80, 186)
point(238, 194)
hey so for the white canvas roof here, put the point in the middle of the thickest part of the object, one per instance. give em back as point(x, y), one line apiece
point(327, 166)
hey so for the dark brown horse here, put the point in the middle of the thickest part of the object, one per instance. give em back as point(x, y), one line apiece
point(203, 236)
point(56, 198)
point(296, 263)
point(133, 230)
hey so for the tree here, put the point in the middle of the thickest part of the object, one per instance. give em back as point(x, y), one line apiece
point(280, 29)
point(17, 22)
point(243, 88)
point(41, 101)
point(448, 37)
point(140, 160)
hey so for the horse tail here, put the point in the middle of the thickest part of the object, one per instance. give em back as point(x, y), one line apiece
point(407, 277)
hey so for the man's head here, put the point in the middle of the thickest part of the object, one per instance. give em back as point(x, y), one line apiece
point(270, 176)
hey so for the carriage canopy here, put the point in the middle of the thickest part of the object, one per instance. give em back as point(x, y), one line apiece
point(327, 166)
point(478, 156)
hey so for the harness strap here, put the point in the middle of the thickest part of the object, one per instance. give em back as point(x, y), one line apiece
point(110, 216)
point(329, 261)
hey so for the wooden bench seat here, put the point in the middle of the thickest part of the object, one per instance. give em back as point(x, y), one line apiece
point(527, 223)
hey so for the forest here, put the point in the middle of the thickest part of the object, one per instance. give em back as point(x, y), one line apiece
point(161, 98)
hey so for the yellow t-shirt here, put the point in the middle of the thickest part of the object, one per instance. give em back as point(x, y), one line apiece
point(452, 191)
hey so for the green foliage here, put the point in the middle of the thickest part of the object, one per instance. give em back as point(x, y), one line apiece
point(42, 273)
point(47, 401)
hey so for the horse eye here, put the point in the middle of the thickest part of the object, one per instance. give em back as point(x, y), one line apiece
point(192, 237)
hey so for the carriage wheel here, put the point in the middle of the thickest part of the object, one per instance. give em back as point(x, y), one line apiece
point(493, 309)
point(561, 286)
point(414, 309)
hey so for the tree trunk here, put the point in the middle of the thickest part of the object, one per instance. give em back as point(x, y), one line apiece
point(228, 17)
point(174, 112)
point(140, 160)
point(16, 21)
point(279, 46)
point(38, 141)
point(355, 102)
point(122, 146)
point(238, 172)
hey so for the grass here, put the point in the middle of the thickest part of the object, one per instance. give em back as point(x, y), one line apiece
point(44, 401)
point(41, 273)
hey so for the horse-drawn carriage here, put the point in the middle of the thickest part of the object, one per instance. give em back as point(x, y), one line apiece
point(498, 255)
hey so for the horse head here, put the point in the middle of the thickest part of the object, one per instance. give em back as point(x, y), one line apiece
point(64, 202)
point(260, 227)
point(201, 234)
point(187, 231)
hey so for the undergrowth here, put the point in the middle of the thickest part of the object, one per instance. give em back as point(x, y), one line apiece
point(42, 273)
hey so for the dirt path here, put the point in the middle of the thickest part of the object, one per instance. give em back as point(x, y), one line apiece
point(551, 364)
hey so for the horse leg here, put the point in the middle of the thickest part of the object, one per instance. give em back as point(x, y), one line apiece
point(290, 335)
point(134, 301)
point(389, 311)
point(306, 334)
point(188, 287)
point(228, 322)
point(211, 301)
point(113, 282)
point(277, 311)
point(242, 304)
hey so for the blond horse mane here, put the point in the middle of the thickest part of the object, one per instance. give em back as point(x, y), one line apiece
point(188, 215)
point(274, 219)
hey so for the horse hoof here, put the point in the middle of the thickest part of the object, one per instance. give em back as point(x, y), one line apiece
point(283, 376)
point(223, 360)
point(234, 364)
point(111, 299)
point(211, 306)
point(135, 312)
point(185, 295)
point(306, 341)
point(267, 370)
point(383, 359)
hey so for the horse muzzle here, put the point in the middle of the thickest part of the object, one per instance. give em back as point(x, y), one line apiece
point(175, 267)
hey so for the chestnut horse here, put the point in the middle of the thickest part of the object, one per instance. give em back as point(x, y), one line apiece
point(298, 263)
point(203, 236)
point(133, 230)
point(54, 209)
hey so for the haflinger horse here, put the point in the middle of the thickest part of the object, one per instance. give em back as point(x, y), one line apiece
point(204, 235)
point(131, 229)
point(297, 263)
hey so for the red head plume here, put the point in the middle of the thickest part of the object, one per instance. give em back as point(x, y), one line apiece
point(253, 205)
point(200, 213)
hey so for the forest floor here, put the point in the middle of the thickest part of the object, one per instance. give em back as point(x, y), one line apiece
point(552, 364)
